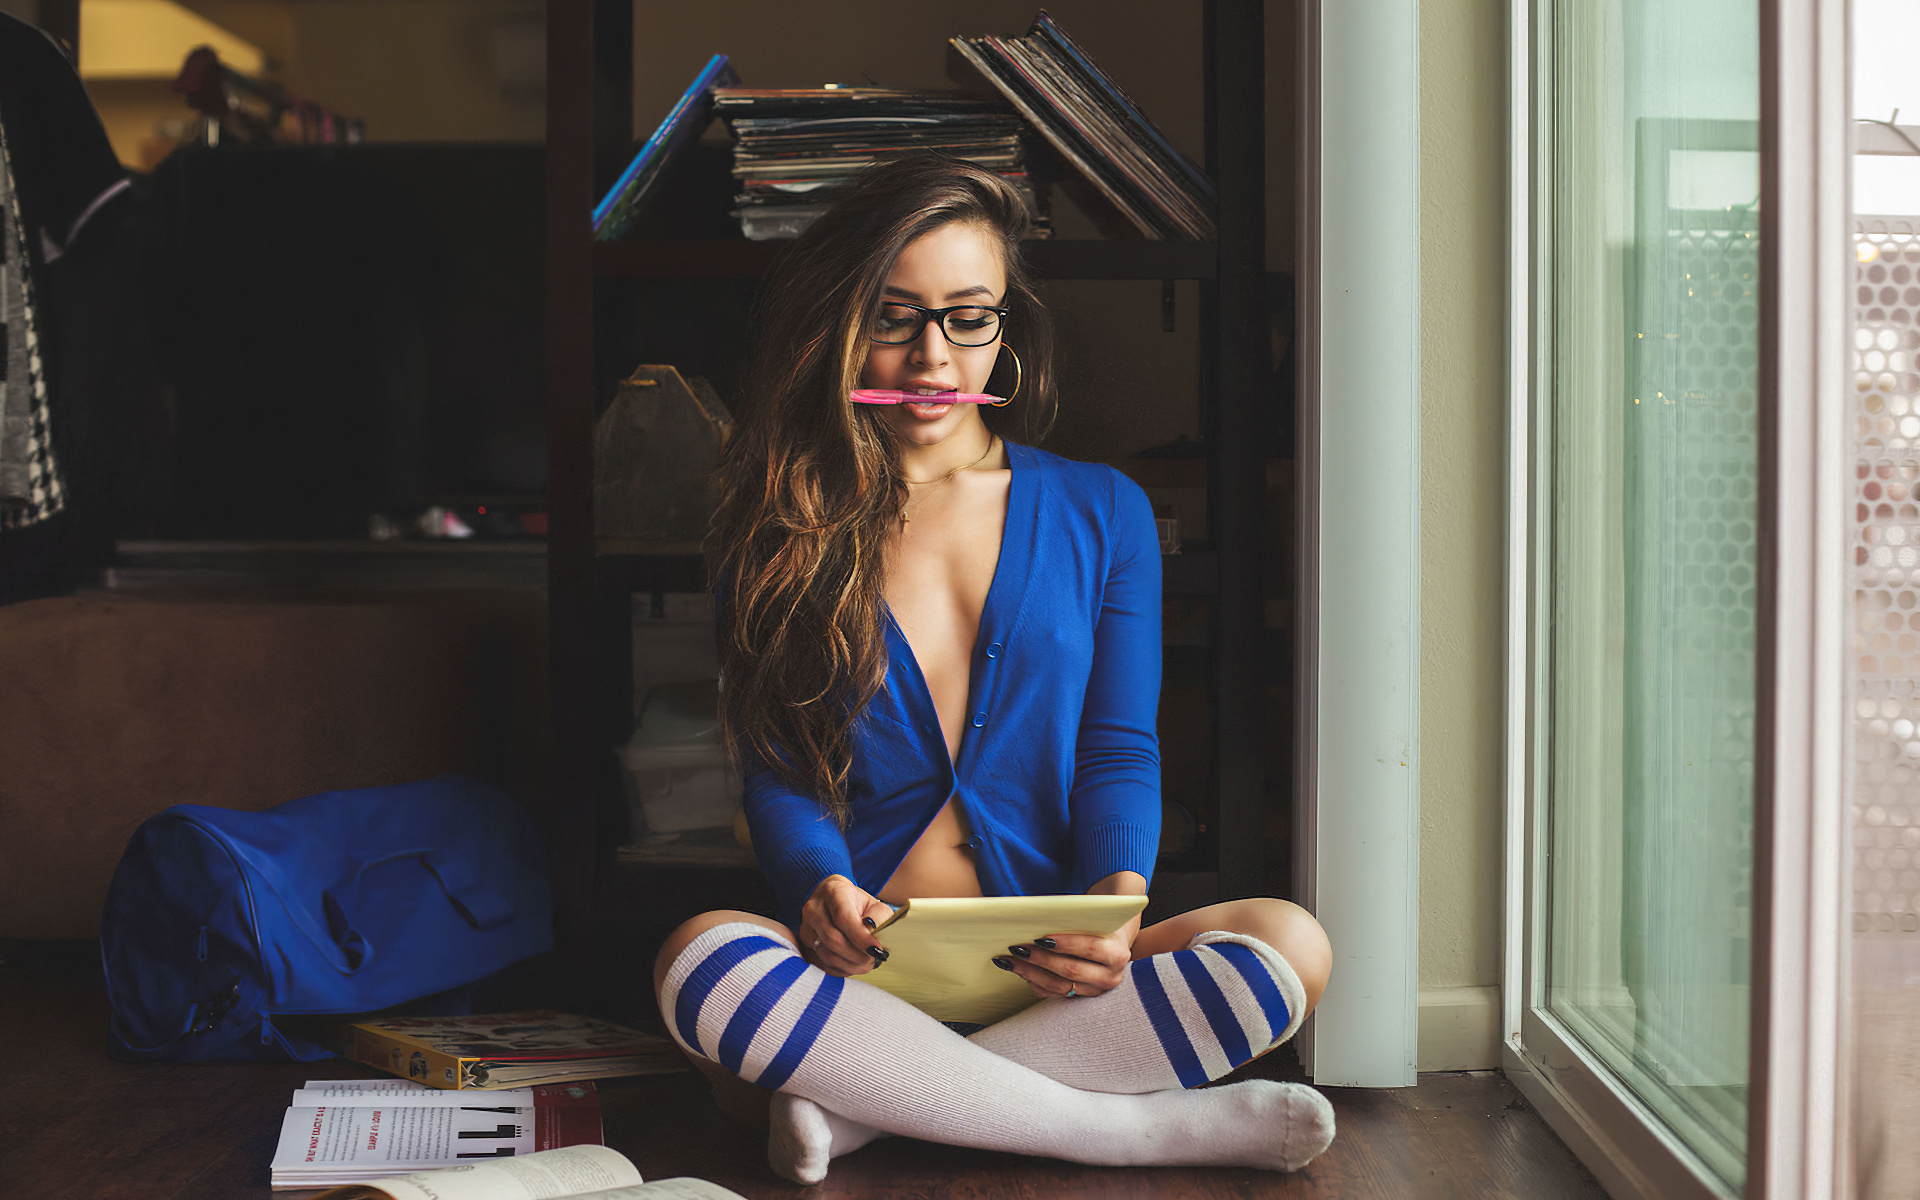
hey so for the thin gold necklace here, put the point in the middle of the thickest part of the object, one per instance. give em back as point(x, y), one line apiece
point(907, 509)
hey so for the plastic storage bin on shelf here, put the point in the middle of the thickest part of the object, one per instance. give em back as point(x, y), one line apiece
point(677, 772)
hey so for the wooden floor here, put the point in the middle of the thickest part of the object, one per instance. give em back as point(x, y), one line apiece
point(74, 1123)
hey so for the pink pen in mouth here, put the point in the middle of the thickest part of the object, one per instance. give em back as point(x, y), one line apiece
point(931, 410)
point(929, 404)
point(933, 407)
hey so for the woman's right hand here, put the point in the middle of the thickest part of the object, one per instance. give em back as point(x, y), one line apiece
point(836, 927)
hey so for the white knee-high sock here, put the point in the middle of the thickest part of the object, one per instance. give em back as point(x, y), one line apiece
point(1177, 1020)
point(742, 997)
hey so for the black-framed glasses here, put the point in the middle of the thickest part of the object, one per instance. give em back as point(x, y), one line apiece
point(896, 324)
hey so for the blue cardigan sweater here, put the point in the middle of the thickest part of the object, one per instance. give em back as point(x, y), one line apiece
point(1059, 773)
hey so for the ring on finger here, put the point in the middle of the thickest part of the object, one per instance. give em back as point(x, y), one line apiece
point(1071, 994)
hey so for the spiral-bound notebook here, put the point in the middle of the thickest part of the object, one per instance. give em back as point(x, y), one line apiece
point(940, 951)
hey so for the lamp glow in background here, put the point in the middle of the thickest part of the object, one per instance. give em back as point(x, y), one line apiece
point(149, 39)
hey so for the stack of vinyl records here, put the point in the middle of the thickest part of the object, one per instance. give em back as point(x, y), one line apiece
point(1094, 126)
point(795, 148)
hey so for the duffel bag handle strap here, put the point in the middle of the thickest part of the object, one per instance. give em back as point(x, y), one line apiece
point(478, 902)
point(202, 1015)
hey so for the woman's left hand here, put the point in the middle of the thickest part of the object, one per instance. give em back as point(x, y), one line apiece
point(1077, 964)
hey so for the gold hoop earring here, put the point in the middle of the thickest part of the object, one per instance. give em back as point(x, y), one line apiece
point(1018, 376)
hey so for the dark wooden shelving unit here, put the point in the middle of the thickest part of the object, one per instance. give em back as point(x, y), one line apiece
point(589, 131)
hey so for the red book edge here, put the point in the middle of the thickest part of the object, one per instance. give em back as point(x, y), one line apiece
point(573, 1125)
point(566, 1095)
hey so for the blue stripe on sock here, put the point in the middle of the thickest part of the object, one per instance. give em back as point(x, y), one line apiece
point(701, 980)
point(1265, 990)
point(1166, 1023)
point(1213, 1002)
point(752, 1013)
point(805, 1030)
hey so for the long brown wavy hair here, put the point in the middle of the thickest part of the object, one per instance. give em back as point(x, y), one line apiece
point(811, 484)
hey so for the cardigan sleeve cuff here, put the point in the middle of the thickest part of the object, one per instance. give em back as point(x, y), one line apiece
point(1116, 846)
point(802, 869)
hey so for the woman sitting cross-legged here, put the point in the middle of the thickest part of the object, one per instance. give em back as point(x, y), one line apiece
point(941, 652)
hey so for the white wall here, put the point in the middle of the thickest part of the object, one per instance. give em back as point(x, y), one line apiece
point(1463, 47)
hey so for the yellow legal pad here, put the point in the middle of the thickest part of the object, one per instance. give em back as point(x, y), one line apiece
point(941, 950)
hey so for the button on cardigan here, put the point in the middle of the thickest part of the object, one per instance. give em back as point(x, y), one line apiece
point(1058, 774)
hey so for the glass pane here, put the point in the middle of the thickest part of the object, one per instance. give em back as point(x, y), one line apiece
point(1886, 577)
point(1654, 207)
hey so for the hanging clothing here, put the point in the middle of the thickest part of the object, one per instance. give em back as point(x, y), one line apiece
point(63, 163)
point(30, 487)
point(78, 366)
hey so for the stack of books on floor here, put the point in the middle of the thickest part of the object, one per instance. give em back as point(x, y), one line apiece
point(344, 1131)
point(1094, 126)
point(796, 147)
point(500, 1050)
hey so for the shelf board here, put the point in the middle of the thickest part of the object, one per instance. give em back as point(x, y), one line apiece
point(1188, 573)
point(1096, 259)
point(397, 566)
point(628, 548)
point(1193, 572)
point(683, 258)
point(685, 850)
point(738, 258)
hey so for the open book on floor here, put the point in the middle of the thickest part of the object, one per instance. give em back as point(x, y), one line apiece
point(365, 1129)
point(576, 1173)
point(940, 951)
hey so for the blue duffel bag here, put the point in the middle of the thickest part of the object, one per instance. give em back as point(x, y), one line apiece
point(218, 920)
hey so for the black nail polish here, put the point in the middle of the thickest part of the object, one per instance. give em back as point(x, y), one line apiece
point(1005, 964)
point(878, 954)
point(1046, 943)
point(1022, 951)
point(870, 924)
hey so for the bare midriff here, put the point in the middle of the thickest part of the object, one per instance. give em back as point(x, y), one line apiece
point(940, 863)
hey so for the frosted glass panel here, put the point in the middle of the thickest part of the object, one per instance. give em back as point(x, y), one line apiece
point(1886, 680)
point(1655, 194)
point(1885, 402)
